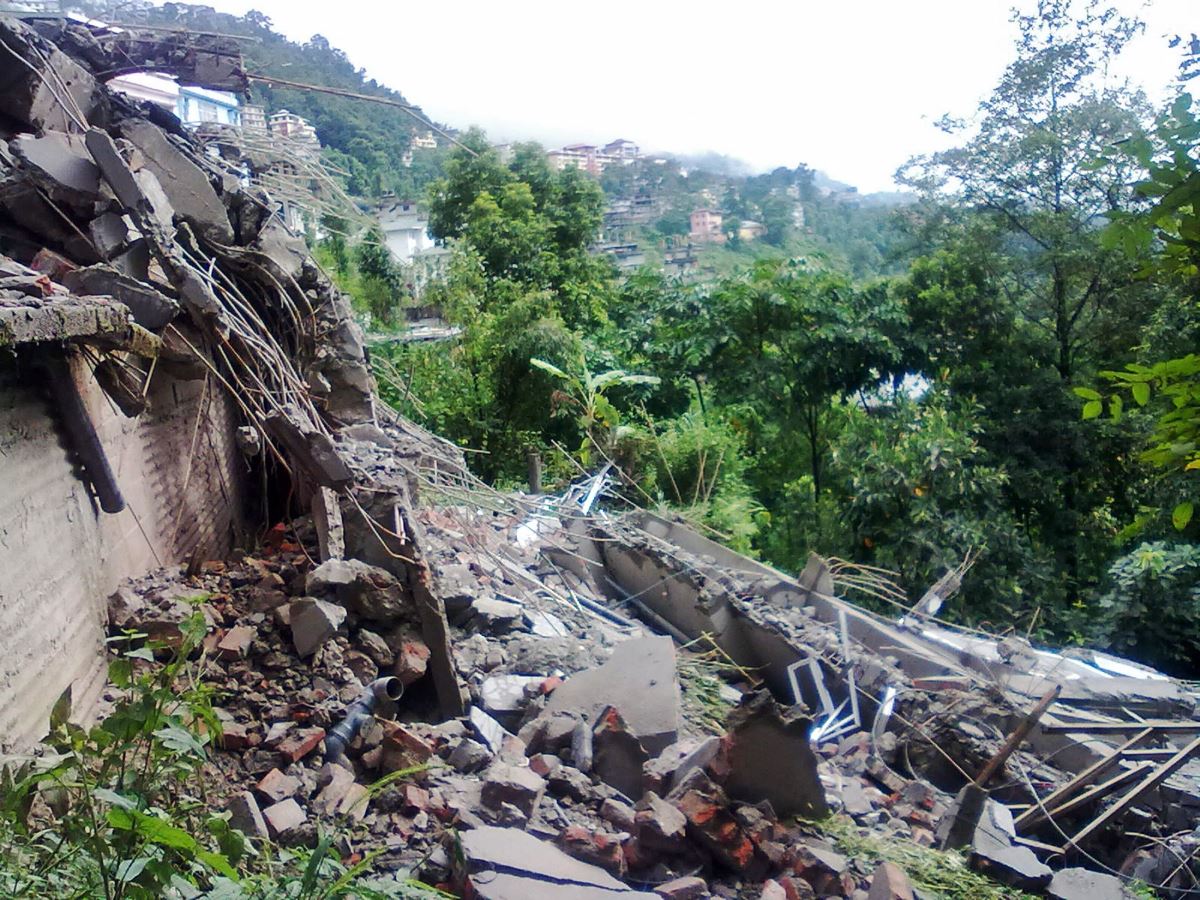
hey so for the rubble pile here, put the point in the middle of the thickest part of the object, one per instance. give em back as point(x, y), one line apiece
point(486, 688)
point(574, 744)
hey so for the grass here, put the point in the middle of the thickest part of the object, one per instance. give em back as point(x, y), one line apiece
point(934, 873)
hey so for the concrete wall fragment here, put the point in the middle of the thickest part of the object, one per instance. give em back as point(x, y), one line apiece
point(60, 557)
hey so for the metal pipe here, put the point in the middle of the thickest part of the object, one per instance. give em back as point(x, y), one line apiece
point(358, 714)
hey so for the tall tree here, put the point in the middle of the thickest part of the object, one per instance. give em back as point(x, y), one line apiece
point(1027, 167)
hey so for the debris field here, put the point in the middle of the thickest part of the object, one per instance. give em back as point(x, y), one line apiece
point(509, 695)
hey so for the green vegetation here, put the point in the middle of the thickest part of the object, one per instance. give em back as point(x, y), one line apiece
point(121, 811)
point(901, 388)
point(935, 873)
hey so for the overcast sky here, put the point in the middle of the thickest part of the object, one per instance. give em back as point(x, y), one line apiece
point(850, 87)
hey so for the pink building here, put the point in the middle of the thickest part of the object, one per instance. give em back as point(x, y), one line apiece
point(706, 227)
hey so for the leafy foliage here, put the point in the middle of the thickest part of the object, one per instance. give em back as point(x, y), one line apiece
point(119, 812)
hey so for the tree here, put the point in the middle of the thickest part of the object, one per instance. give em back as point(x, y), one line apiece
point(792, 339)
point(1028, 171)
point(1029, 166)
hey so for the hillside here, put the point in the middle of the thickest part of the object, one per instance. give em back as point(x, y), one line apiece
point(367, 141)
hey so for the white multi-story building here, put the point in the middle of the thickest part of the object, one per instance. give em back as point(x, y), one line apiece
point(405, 229)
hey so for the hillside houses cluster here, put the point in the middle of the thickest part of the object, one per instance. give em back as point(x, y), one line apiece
point(592, 159)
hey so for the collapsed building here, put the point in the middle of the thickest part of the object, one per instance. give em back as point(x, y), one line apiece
point(178, 378)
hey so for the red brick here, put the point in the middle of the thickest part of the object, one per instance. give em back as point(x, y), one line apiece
point(298, 744)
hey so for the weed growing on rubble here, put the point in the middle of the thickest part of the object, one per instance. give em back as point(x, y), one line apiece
point(935, 873)
point(119, 811)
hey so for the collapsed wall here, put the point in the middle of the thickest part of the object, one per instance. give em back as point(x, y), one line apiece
point(59, 556)
point(167, 348)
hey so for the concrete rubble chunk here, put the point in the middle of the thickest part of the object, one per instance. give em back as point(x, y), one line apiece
point(149, 308)
point(311, 449)
point(60, 159)
point(659, 825)
point(617, 755)
point(313, 622)
point(689, 887)
point(246, 816)
point(994, 853)
point(768, 757)
point(1084, 884)
point(280, 251)
point(185, 183)
point(509, 864)
point(369, 591)
point(518, 785)
point(640, 680)
point(888, 882)
point(284, 817)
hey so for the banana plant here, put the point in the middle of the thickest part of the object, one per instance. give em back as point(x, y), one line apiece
point(584, 393)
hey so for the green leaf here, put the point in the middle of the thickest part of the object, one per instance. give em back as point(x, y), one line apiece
point(62, 710)
point(1141, 393)
point(1086, 393)
point(217, 863)
point(1182, 515)
point(1115, 407)
point(1092, 409)
point(551, 368)
point(153, 829)
point(112, 797)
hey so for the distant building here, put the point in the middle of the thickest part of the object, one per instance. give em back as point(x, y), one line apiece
point(200, 106)
point(193, 105)
point(628, 257)
point(287, 126)
point(706, 226)
point(749, 230)
point(405, 229)
point(424, 142)
point(504, 152)
point(621, 150)
point(254, 120)
point(594, 160)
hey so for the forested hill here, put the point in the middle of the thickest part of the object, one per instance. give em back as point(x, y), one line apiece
point(366, 140)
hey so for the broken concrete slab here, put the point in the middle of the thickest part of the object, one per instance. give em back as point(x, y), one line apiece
point(36, 78)
point(993, 852)
point(313, 622)
point(640, 680)
point(186, 185)
point(768, 757)
point(149, 308)
point(60, 161)
point(509, 864)
point(1084, 884)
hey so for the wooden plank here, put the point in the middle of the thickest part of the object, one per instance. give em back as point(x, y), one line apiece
point(1159, 775)
point(1121, 727)
point(1155, 753)
point(1099, 790)
point(1034, 814)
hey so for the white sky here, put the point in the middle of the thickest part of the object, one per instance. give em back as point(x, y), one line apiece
point(850, 87)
